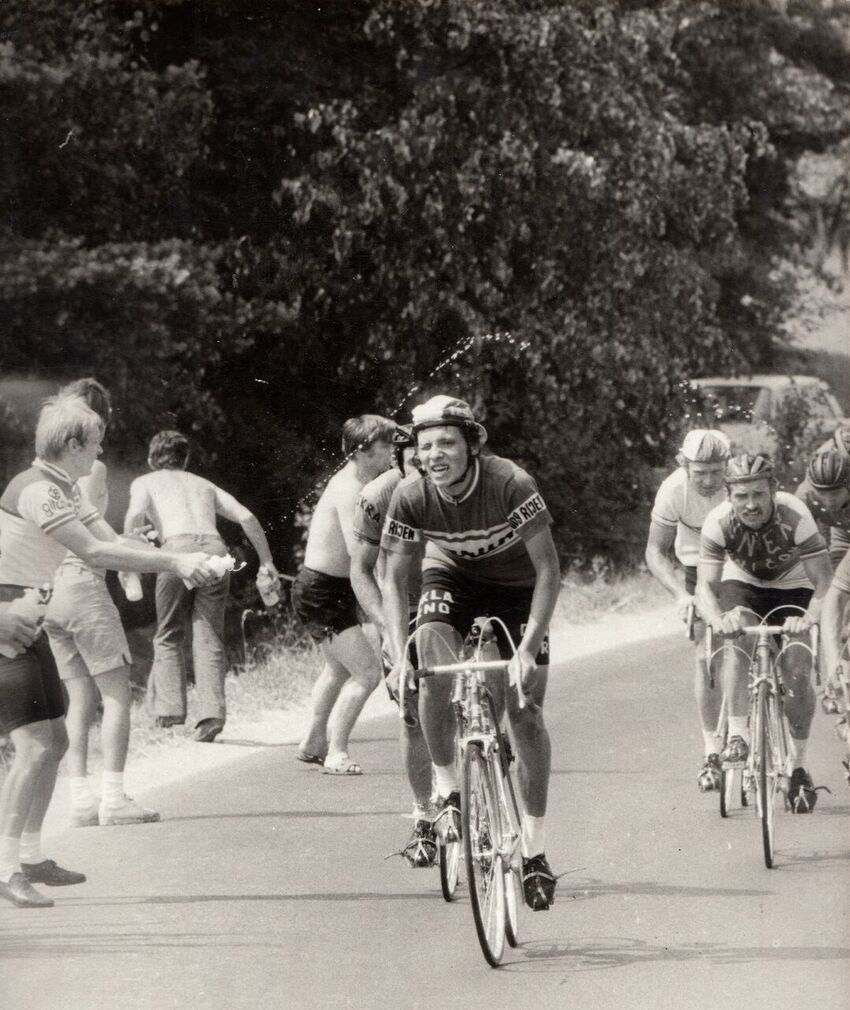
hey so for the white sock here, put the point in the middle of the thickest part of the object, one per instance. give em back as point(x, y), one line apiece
point(738, 727)
point(81, 794)
point(712, 742)
point(9, 858)
point(533, 836)
point(423, 812)
point(447, 780)
point(796, 753)
point(112, 789)
point(30, 850)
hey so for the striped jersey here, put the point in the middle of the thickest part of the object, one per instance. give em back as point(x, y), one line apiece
point(481, 534)
point(34, 506)
point(771, 556)
point(678, 506)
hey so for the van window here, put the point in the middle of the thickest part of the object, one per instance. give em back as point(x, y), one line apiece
point(737, 403)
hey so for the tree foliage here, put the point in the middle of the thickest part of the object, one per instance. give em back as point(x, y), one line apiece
point(257, 223)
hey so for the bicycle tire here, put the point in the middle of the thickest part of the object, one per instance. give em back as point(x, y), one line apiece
point(731, 790)
point(484, 871)
point(766, 774)
point(448, 858)
point(513, 873)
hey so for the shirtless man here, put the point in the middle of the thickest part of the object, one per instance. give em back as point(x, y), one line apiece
point(325, 602)
point(183, 509)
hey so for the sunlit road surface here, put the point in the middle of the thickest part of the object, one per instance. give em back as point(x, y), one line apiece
point(266, 884)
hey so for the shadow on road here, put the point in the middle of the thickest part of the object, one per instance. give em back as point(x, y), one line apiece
point(599, 889)
point(596, 954)
point(286, 814)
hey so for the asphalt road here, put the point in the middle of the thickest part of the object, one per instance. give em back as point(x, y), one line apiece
point(266, 886)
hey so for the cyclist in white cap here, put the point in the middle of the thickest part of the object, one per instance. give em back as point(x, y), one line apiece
point(683, 501)
point(488, 551)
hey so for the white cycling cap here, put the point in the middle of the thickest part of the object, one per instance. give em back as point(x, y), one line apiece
point(705, 445)
point(447, 410)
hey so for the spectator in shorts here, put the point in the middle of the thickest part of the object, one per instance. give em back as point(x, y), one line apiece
point(43, 515)
point(182, 508)
point(93, 658)
point(324, 599)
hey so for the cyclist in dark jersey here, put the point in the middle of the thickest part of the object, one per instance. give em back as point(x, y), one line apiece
point(367, 567)
point(489, 551)
point(826, 492)
point(760, 553)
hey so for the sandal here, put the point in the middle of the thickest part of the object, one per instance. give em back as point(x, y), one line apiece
point(342, 766)
point(308, 758)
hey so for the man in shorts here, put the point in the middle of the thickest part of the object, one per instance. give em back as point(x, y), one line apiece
point(488, 551)
point(183, 508)
point(325, 602)
point(683, 501)
point(93, 658)
point(761, 554)
point(367, 565)
point(43, 515)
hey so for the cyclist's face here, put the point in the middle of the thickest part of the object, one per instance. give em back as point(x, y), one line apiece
point(752, 503)
point(443, 453)
point(706, 478)
point(82, 456)
point(836, 501)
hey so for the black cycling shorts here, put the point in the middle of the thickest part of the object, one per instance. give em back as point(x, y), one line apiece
point(325, 604)
point(690, 579)
point(763, 600)
point(30, 688)
point(452, 598)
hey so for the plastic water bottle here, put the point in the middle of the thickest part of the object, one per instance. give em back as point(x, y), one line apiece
point(267, 587)
point(220, 566)
point(32, 604)
point(132, 585)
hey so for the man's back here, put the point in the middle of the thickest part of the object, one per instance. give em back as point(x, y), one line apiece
point(326, 548)
point(177, 502)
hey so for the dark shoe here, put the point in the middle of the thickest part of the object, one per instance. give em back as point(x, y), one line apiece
point(47, 872)
point(736, 751)
point(167, 721)
point(802, 794)
point(447, 821)
point(208, 729)
point(708, 780)
point(21, 893)
point(538, 883)
point(421, 850)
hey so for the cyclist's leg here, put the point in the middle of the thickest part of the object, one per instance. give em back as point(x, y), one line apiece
point(351, 649)
point(322, 700)
point(708, 698)
point(735, 667)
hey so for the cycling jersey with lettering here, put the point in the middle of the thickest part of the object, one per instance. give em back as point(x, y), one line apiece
point(34, 505)
point(369, 521)
point(771, 556)
point(841, 579)
point(678, 506)
point(834, 524)
point(482, 533)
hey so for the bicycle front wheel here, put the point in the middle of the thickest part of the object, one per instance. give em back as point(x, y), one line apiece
point(731, 790)
point(484, 869)
point(766, 771)
point(448, 854)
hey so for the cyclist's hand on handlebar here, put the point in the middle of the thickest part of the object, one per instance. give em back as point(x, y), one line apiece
point(400, 669)
point(683, 605)
point(797, 625)
point(729, 624)
point(521, 671)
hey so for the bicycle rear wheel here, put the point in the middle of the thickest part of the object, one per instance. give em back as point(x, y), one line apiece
point(484, 868)
point(766, 771)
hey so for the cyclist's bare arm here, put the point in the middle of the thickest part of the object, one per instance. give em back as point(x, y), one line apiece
point(708, 586)
point(117, 556)
point(364, 558)
point(395, 609)
point(819, 572)
point(659, 546)
point(229, 508)
point(547, 585)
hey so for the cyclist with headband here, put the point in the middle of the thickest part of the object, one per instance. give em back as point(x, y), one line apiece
point(683, 501)
point(367, 574)
point(760, 554)
point(488, 550)
point(826, 491)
